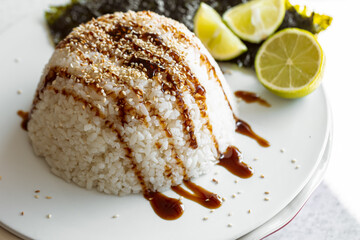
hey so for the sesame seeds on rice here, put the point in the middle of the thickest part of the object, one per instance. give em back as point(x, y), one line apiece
point(131, 102)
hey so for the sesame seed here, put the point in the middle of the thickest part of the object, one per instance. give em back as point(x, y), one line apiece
point(37, 191)
point(229, 225)
point(181, 198)
point(212, 210)
point(249, 211)
point(297, 167)
point(207, 200)
point(19, 92)
point(48, 197)
point(293, 160)
point(266, 199)
point(205, 218)
point(239, 192)
point(49, 216)
point(233, 196)
point(267, 193)
point(282, 150)
point(262, 176)
point(255, 159)
point(115, 216)
point(36, 196)
point(224, 199)
point(215, 181)
point(236, 181)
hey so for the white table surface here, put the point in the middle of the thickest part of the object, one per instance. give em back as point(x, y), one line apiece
point(342, 83)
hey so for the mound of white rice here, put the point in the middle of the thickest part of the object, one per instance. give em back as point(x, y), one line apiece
point(131, 102)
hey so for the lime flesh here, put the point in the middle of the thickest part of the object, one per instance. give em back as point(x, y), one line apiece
point(254, 21)
point(290, 63)
point(215, 35)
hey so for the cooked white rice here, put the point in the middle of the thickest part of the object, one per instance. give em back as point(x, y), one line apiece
point(102, 123)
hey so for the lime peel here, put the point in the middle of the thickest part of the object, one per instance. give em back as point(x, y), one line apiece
point(215, 35)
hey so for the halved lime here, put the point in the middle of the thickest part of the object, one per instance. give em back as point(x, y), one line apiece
point(254, 21)
point(215, 35)
point(290, 63)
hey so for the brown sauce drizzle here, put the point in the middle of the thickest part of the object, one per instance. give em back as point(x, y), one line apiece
point(199, 195)
point(241, 126)
point(244, 128)
point(170, 208)
point(231, 160)
point(120, 32)
point(151, 68)
point(250, 97)
point(171, 86)
point(165, 207)
point(25, 119)
point(188, 124)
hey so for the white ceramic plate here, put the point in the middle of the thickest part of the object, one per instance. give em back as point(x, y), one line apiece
point(287, 214)
point(300, 127)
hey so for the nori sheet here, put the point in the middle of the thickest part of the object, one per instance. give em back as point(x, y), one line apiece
point(62, 19)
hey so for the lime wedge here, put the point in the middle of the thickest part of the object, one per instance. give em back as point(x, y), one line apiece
point(290, 63)
point(215, 35)
point(254, 21)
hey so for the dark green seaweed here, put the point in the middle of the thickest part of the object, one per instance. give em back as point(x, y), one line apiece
point(62, 19)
